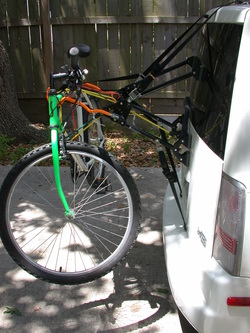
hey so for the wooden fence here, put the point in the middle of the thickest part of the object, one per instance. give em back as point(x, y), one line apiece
point(125, 36)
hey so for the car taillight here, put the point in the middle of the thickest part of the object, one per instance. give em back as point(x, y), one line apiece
point(229, 225)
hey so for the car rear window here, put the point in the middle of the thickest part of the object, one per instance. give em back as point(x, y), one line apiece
point(211, 96)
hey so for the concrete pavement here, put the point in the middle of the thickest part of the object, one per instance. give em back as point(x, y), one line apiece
point(135, 297)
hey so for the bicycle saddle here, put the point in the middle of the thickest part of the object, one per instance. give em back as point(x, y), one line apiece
point(84, 50)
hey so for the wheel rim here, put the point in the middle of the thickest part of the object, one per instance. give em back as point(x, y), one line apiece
point(44, 237)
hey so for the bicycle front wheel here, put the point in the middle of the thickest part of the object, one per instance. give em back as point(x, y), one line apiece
point(61, 249)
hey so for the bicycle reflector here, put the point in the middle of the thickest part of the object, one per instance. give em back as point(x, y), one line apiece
point(229, 227)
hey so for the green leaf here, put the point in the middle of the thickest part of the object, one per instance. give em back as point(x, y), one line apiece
point(12, 311)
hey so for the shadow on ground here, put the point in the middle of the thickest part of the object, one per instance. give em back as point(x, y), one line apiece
point(135, 297)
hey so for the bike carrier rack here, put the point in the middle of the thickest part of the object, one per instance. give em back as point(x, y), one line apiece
point(179, 128)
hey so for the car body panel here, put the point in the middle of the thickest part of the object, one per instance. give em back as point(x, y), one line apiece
point(204, 187)
point(200, 286)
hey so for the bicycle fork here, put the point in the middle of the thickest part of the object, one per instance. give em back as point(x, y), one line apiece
point(56, 128)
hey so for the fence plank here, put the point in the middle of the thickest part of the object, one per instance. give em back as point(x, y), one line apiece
point(88, 35)
point(147, 45)
point(136, 8)
point(2, 10)
point(82, 8)
point(113, 53)
point(136, 38)
point(181, 56)
point(55, 9)
point(166, 8)
point(194, 8)
point(101, 7)
point(66, 8)
point(33, 9)
point(16, 9)
point(113, 44)
point(125, 41)
point(124, 7)
point(147, 7)
point(136, 41)
point(205, 5)
point(62, 41)
point(4, 31)
point(124, 57)
point(102, 54)
point(216, 3)
point(182, 8)
point(46, 38)
point(40, 76)
point(164, 37)
point(124, 35)
point(99, 55)
point(19, 42)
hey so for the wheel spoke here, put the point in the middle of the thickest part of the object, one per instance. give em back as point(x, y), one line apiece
point(66, 249)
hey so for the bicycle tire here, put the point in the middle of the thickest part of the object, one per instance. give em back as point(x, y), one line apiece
point(48, 244)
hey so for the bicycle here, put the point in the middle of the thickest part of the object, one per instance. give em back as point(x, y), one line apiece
point(86, 127)
point(71, 211)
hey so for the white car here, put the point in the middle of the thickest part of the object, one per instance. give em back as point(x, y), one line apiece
point(208, 262)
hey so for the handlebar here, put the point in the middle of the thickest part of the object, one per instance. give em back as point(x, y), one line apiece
point(74, 57)
point(76, 52)
point(73, 53)
point(58, 76)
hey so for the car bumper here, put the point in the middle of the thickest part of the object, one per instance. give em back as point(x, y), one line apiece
point(199, 285)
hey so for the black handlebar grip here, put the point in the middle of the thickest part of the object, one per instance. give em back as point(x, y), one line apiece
point(83, 52)
point(74, 57)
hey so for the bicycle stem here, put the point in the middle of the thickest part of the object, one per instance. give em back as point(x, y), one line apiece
point(57, 128)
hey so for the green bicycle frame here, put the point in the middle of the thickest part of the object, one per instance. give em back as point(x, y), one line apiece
point(57, 128)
